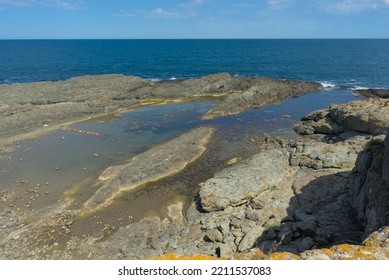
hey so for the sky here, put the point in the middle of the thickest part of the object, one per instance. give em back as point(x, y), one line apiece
point(182, 19)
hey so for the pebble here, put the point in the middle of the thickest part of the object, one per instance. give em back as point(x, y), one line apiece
point(56, 168)
point(15, 237)
point(96, 155)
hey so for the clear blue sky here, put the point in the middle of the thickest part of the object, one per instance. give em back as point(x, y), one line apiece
point(54, 19)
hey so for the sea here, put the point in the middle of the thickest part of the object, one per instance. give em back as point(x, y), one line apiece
point(341, 63)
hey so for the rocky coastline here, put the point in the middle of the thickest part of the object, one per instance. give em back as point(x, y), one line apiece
point(37, 108)
point(324, 196)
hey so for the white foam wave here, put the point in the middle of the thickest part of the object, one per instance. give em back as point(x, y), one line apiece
point(359, 88)
point(173, 78)
point(155, 80)
point(328, 85)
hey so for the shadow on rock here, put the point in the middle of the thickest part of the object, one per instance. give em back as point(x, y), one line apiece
point(319, 215)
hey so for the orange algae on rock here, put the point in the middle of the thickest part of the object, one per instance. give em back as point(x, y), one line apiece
point(173, 257)
point(284, 256)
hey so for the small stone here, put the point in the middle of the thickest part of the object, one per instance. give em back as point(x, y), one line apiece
point(15, 237)
point(214, 235)
point(96, 155)
point(236, 223)
point(56, 168)
point(251, 237)
point(225, 251)
point(254, 215)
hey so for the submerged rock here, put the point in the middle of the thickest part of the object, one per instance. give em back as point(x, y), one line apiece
point(154, 164)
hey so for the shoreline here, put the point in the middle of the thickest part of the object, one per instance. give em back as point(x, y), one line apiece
point(30, 107)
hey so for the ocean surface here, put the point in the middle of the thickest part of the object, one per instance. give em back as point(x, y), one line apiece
point(348, 63)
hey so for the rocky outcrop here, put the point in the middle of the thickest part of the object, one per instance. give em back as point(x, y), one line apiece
point(312, 218)
point(369, 185)
point(261, 92)
point(241, 183)
point(373, 93)
point(370, 116)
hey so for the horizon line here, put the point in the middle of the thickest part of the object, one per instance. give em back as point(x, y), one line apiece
point(324, 38)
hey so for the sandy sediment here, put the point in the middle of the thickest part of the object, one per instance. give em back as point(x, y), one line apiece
point(154, 164)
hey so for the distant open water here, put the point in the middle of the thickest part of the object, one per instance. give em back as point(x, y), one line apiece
point(342, 64)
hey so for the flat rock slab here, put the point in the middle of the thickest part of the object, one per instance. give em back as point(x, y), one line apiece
point(154, 164)
point(242, 182)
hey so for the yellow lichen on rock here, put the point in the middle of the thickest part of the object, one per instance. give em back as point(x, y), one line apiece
point(284, 256)
point(173, 257)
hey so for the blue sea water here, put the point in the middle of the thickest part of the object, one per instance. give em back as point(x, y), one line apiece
point(347, 63)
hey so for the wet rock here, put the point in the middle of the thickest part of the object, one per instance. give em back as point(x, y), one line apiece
point(154, 164)
point(175, 211)
point(373, 93)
